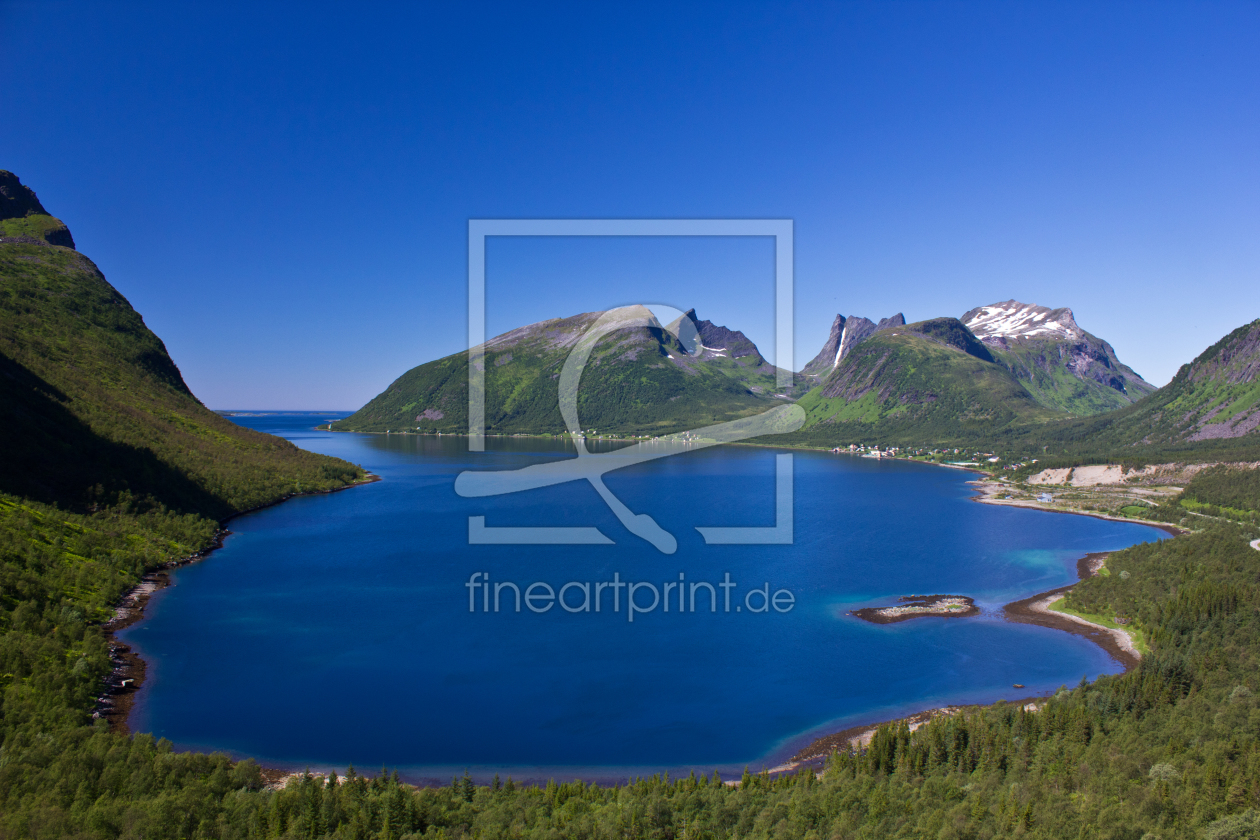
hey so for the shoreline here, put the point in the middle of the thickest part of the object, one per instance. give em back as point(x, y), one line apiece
point(1035, 610)
point(859, 737)
point(1031, 610)
point(985, 492)
point(127, 677)
point(129, 669)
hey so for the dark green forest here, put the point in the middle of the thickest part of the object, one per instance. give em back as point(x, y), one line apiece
point(112, 469)
point(1167, 750)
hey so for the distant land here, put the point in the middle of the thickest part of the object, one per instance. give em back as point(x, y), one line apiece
point(1020, 378)
point(112, 471)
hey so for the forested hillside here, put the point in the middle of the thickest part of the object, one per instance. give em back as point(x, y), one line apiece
point(109, 468)
point(112, 468)
point(1168, 750)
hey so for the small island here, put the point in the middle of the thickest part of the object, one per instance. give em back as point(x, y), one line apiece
point(916, 606)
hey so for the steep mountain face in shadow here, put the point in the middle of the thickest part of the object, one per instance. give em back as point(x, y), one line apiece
point(95, 409)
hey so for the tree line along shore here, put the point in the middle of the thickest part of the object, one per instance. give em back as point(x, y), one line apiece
point(113, 469)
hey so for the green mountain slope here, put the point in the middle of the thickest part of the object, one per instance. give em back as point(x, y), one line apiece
point(109, 468)
point(1064, 367)
point(95, 411)
point(1212, 405)
point(1168, 749)
point(640, 380)
point(929, 382)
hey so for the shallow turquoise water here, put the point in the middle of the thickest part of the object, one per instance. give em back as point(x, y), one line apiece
point(336, 629)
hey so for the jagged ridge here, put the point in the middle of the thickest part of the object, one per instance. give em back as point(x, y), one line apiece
point(846, 333)
point(640, 380)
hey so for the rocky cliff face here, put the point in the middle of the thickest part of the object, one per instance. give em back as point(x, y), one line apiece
point(720, 342)
point(846, 333)
point(1227, 385)
point(23, 217)
point(1062, 366)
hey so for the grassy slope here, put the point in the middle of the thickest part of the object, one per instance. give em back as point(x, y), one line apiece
point(1038, 368)
point(928, 383)
point(1159, 426)
point(630, 386)
point(95, 410)
point(37, 226)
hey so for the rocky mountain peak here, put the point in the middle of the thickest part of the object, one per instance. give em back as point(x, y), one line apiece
point(898, 320)
point(717, 341)
point(23, 217)
point(17, 200)
point(1012, 319)
point(845, 334)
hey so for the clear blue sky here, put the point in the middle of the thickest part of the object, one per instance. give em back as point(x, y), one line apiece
point(283, 190)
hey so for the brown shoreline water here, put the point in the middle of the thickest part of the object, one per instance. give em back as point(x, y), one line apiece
point(1022, 612)
point(127, 676)
point(1017, 611)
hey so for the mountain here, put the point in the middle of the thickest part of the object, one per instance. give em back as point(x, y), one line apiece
point(21, 215)
point(928, 382)
point(846, 333)
point(94, 410)
point(1062, 366)
point(1213, 403)
point(733, 353)
point(640, 380)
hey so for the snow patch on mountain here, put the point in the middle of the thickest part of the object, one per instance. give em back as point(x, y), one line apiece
point(1012, 319)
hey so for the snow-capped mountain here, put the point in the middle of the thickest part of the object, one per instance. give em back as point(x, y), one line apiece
point(1061, 365)
point(1012, 319)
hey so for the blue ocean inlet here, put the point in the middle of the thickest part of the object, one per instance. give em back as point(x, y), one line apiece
point(341, 629)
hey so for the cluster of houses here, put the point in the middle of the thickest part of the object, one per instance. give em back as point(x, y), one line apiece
point(973, 460)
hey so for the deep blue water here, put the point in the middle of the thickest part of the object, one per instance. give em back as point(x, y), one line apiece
point(336, 629)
